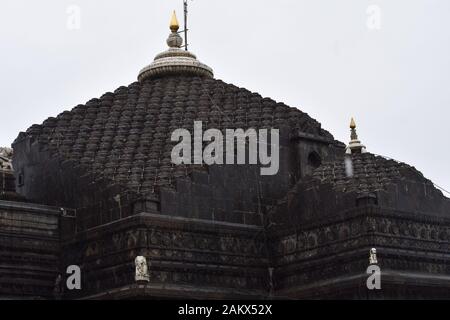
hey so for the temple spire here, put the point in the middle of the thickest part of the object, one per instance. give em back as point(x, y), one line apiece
point(352, 124)
point(355, 145)
point(174, 25)
point(175, 61)
point(174, 40)
point(354, 135)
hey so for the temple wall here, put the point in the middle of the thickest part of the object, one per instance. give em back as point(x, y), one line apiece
point(187, 258)
point(29, 250)
point(239, 193)
point(329, 258)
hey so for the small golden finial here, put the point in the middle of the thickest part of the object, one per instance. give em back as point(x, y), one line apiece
point(355, 145)
point(174, 25)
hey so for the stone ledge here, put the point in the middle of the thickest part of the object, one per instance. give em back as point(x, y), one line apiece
point(164, 291)
point(30, 207)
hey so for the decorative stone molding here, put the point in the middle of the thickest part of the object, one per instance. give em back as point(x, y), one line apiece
point(175, 66)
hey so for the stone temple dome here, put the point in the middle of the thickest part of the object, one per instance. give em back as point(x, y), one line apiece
point(175, 61)
point(96, 187)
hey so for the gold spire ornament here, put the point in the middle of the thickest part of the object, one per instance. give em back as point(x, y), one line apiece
point(352, 124)
point(174, 40)
point(355, 145)
point(174, 25)
point(353, 136)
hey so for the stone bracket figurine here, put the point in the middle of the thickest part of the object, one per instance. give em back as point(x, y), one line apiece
point(373, 256)
point(142, 274)
point(6, 159)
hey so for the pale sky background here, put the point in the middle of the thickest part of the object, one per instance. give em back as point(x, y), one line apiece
point(317, 55)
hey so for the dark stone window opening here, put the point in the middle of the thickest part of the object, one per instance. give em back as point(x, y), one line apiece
point(20, 179)
point(314, 160)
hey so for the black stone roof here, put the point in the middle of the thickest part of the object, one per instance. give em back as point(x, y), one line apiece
point(332, 191)
point(125, 136)
point(368, 173)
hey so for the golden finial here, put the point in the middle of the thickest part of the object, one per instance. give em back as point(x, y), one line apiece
point(355, 145)
point(352, 124)
point(174, 25)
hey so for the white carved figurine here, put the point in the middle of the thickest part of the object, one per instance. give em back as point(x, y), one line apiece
point(373, 256)
point(5, 158)
point(141, 269)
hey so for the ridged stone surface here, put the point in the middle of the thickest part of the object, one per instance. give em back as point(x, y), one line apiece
point(125, 136)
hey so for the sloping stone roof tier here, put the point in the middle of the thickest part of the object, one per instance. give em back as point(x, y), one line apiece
point(125, 136)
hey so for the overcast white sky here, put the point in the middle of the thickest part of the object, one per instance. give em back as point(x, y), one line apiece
point(317, 55)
